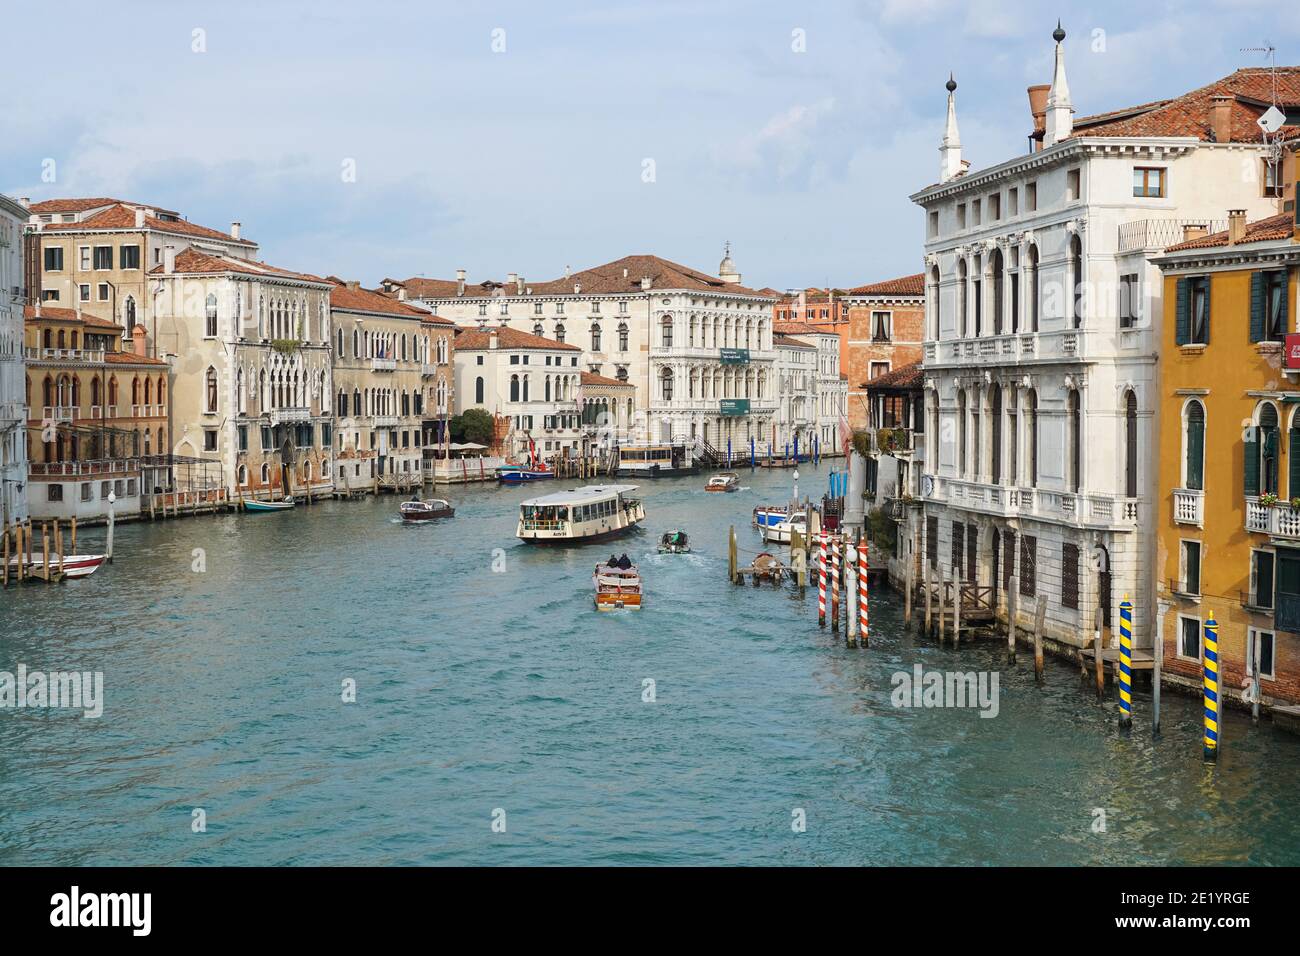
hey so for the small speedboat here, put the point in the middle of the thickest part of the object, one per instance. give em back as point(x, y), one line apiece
point(517, 474)
point(617, 588)
point(283, 505)
point(779, 533)
point(767, 515)
point(74, 565)
point(674, 542)
point(724, 481)
point(417, 510)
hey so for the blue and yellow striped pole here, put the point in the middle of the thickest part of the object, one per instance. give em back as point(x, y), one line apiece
point(1211, 687)
point(1126, 663)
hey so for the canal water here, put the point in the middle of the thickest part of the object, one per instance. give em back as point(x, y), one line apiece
point(488, 689)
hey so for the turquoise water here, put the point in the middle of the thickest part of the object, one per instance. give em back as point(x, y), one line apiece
point(479, 691)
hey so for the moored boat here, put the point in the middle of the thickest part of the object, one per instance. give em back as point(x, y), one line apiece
point(518, 474)
point(583, 514)
point(767, 515)
point(723, 481)
point(617, 588)
point(656, 459)
point(417, 510)
point(257, 506)
point(74, 565)
point(780, 532)
point(674, 542)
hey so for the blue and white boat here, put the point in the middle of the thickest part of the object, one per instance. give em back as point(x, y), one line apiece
point(518, 474)
point(769, 516)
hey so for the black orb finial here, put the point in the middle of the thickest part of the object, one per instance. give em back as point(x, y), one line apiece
point(1058, 34)
point(951, 85)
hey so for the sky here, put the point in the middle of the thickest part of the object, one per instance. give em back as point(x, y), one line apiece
point(396, 139)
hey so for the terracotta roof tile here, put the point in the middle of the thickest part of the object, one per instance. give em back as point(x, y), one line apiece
point(797, 328)
point(71, 205)
point(507, 338)
point(905, 376)
point(347, 299)
point(591, 378)
point(1262, 230)
point(785, 341)
point(130, 358)
point(193, 261)
point(122, 216)
point(69, 315)
point(907, 285)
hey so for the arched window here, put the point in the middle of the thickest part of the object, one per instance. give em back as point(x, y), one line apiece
point(478, 390)
point(995, 420)
point(547, 389)
point(1131, 444)
point(239, 390)
point(514, 388)
point(1266, 456)
point(1032, 425)
point(559, 333)
point(210, 392)
point(595, 337)
point(622, 336)
point(243, 476)
point(525, 388)
point(666, 382)
point(537, 329)
point(266, 473)
point(210, 316)
point(666, 325)
point(997, 275)
point(1076, 281)
point(936, 317)
point(1075, 425)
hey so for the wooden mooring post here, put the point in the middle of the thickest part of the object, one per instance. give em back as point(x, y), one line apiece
point(731, 555)
point(1040, 617)
point(1013, 609)
point(956, 610)
point(929, 601)
point(942, 577)
point(909, 571)
point(1096, 646)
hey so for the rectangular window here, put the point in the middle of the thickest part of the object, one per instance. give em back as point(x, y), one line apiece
point(1072, 185)
point(83, 291)
point(1272, 180)
point(995, 207)
point(1261, 579)
point(53, 492)
point(87, 489)
point(1028, 565)
point(209, 439)
point(1260, 648)
point(54, 259)
point(83, 258)
point(1191, 567)
point(961, 215)
point(1192, 311)
point(103, 257)
point(267, 440)
point(975, 212)
point(243, 438)
point(1149, 182)
point(103, 292)
point(932, 541)
point(958, 547)
point(878, 369)
point(1013, 202)
point(880, 326)
point(129, 257)
point(1031, 197)
point(1274, 305)
point(934, 223)
point(1189, 638)
point(1070, 576)
point(1129, 300)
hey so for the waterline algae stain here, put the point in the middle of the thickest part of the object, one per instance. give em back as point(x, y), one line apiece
point(338, 686)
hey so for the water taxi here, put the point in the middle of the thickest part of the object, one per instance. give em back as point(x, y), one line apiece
point(724, 481)
point(261, 506)
point(518, 474)
point(779, 533)
point(656, 460)
point(765, 516)
point(617, 588)
point(583, 514)
point(417, 510)
point(674, 542)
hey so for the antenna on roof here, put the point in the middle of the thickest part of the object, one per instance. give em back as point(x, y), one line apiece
point(1273, 119)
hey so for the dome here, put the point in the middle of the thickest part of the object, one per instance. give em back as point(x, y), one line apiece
point(726, 267)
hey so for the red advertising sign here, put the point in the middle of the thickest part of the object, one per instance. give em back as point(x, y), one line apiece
point(1291, 357)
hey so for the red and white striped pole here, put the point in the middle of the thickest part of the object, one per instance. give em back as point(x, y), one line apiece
point(863, 629)
point(821, 583)
point(835, 583)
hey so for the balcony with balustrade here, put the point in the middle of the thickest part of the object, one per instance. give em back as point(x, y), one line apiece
point(1083, 510)
point(38, 356)
point(290, 414)
point(1058, 346)
point(383, 365)
point(1276, 519)
point(1189, 506)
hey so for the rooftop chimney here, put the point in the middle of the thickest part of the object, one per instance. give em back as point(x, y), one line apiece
point(1221, 118)
point(234, 230)
point(139, 340)
point(566, 272)
point(401, 294)
point(353, 284)
point(519, 285)
point(577, 288)
point(139, 219)
point(1236, 225)
point(169, 259)
point(460, 281)
point(645, 283)
point(511, 278)
point(494, 340)
point(1038, 110)
point(1193, 230)
point(625, 272)
point(25, 201)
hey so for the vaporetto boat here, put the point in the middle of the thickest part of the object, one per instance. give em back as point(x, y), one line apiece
point(583, 514)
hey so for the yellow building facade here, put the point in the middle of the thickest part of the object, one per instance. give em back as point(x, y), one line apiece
point(1228, 515)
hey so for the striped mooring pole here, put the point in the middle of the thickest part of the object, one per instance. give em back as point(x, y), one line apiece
point(863, 629)
point(1126, 663)
point(1211, 687)
point(835, 583)
point(821, 582)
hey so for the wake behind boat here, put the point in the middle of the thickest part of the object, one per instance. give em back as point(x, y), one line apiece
point(583, 514)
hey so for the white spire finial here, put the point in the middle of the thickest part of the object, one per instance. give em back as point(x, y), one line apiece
point(1060, 111)
point(950, 150)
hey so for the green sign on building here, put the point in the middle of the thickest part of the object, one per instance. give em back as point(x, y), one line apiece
point(735, 356)
point(734, 406)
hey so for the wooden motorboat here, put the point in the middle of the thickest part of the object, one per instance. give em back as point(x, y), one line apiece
point(417, 510)
point(617, 588)
point(724, 481)
point(74, 565)
point(674, 542)
point(779, 533)
point(258, 506)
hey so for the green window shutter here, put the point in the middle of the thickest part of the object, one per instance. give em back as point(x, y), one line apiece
point(1196, 455)
point(1286, 293)
point(1257, 306)
point(1183, 314)
point(1251, 470)
point(1209, 298)
point(1293, 463)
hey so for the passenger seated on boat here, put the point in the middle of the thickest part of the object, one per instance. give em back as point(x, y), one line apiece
point(624, 562)
point(612, 562)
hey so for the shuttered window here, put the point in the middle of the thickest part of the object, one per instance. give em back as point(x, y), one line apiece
point(1268, 312)
point(958, 543)
point(1008, 557)
point(1195, 467)
point(972, 539)
point(932, 541)
point(1070, 575)
point(1028, 565)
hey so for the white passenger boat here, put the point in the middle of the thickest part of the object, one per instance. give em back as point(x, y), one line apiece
point(656, 459)
point(589, 513)
point(780, 532)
